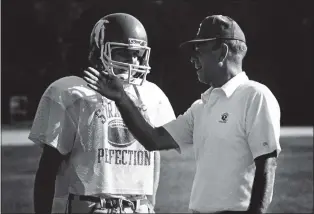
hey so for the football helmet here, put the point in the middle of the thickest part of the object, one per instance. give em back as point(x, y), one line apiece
point(120, 31)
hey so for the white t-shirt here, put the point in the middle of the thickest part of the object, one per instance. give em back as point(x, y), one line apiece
point(229, 127)
point(104, 157)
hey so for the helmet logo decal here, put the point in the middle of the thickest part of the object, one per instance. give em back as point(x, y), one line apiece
point(98, 32)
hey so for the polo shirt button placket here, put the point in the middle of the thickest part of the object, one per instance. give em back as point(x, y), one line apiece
point(213, 98)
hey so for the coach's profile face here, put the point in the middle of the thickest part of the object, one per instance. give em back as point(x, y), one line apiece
point(206, 57)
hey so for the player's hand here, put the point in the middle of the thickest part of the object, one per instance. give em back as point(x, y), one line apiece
point(104, 83)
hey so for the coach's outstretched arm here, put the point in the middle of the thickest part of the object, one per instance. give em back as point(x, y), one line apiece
point(151, 138)
point(111, 87)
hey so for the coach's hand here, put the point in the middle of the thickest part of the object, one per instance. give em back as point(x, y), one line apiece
point(106, 84)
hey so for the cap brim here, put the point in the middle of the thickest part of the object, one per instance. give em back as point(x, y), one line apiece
point(193, 41)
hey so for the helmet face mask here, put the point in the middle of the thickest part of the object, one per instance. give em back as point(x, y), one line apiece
point(136, 72)
point(123, 35)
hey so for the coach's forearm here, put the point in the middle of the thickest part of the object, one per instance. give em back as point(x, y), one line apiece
point(136, 123)
point(151, 138)
point(44, 189)
point(263, 185)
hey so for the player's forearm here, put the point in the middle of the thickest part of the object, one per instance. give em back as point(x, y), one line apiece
point(263, 185)
point(44, 188)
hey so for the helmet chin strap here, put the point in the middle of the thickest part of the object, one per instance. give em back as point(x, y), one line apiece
point(142, 106)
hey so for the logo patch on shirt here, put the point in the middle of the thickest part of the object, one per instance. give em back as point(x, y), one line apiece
point(118, 134)
point(224, 118)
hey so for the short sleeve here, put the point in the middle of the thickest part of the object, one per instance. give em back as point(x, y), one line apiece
point(165, 112)
point(181, 129)
point(263, 124)
point(53, 126)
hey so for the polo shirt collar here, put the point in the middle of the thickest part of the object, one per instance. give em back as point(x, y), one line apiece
point(229, 87)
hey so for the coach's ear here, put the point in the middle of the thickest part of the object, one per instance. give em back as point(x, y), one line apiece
point(224, 50)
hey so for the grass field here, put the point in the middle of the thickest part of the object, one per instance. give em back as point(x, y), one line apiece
point(293, 191)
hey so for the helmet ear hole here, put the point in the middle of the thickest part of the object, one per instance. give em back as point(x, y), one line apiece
point(94, 59)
